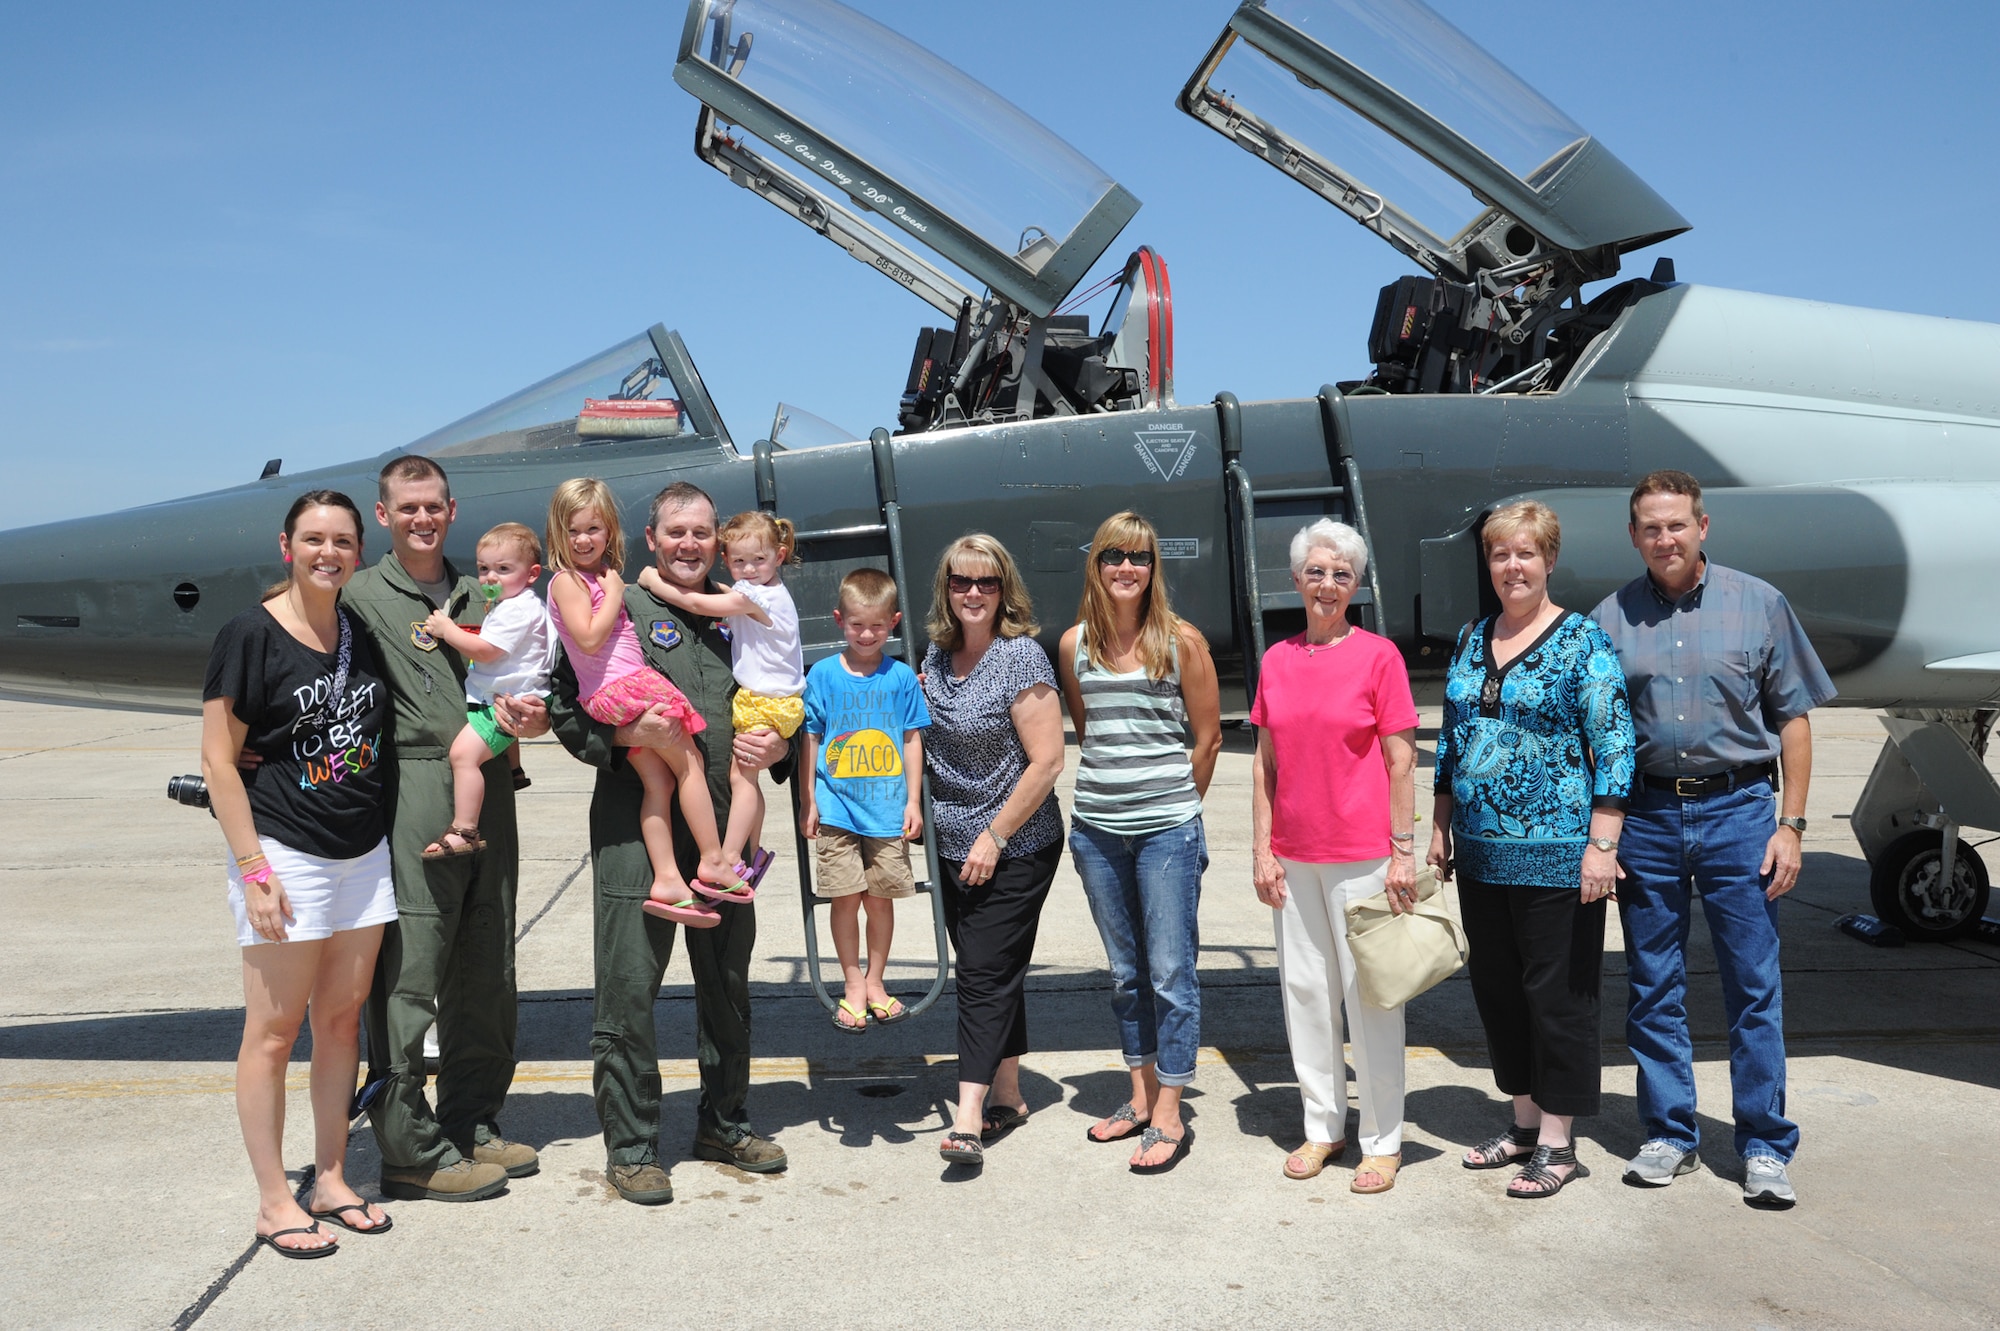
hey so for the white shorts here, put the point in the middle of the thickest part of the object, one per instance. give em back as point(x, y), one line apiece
point(326, 896)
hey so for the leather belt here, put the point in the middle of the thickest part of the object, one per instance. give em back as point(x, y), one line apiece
point(1694, 787)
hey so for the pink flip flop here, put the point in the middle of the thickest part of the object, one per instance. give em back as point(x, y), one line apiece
point(690, 912)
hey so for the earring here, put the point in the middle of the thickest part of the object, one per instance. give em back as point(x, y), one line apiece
point(288, 557)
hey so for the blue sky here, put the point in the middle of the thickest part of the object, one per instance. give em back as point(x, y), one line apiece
point(235, 232)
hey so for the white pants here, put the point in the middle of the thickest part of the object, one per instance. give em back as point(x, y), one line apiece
point(1317, 972)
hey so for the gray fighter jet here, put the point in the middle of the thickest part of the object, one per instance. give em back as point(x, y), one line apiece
point(1849, 453)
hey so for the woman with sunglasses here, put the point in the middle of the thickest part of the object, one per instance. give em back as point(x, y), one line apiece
point(1138, 679)
point(994, 751)
point(1333, 804)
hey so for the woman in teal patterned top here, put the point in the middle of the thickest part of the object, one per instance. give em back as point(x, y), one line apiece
point(1534, 762)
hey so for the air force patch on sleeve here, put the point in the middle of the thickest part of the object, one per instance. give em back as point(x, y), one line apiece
point(665, 634)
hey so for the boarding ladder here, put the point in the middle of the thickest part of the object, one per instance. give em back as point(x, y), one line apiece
point(883, 538)
point(1340, 499)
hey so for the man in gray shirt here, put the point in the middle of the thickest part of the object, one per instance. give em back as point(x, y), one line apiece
point(1721, 677)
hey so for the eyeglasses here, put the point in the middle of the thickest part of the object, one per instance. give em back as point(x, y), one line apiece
point(1111, 557)
point(1341, 577)
point(960, 584)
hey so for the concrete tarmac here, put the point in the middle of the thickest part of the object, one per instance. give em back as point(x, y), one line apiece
point(126, 1199)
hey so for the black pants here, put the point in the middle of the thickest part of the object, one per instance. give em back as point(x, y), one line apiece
point(992, 928)
point(1536, 960)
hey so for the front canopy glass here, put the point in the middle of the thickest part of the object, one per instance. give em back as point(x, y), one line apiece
point(863, 110)
point(620, 394)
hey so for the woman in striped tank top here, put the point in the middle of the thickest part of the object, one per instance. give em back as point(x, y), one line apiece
point(1139, 681)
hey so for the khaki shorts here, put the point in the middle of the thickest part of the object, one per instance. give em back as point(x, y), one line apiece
point(847, 863)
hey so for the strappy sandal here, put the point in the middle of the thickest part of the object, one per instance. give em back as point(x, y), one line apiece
point(1538, 1172)
point(1152, 1137)
point(1316, 1156)
point(469, 843)
point(999, 1120)
point(962, 1148)
point(1383, 1167)
point(1493, 1153)
point(1123, 1114)
point(522, 780)
point(690, 912)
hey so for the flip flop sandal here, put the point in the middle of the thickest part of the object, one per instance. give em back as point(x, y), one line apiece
point(1383, 1166)
point(1152, 1137)
point(334, 1217)
point(1316, 1155)
point(1492, 1153)
point(469, 843)
point(999, 1120)
point(1123, 1114)
point(739, 892)
point(961, 1148)
point(759, 865)
point(690, 912)
point(1548, 1182)
point(297, 1254)
point(860, 1024)
point(887, 1015)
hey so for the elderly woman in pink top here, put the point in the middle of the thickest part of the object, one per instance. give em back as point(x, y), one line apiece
point(1333, 808)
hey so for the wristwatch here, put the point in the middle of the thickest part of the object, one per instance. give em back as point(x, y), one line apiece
point(1796, 824)
point(998, 840)
point(1603, 843)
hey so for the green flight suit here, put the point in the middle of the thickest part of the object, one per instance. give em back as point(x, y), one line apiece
point(450, 955)
point(632, 947)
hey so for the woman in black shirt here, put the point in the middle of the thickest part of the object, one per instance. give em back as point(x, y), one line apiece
point(294, 682)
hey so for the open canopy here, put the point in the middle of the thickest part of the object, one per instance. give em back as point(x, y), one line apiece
point(1406, 124)
point(836, 116)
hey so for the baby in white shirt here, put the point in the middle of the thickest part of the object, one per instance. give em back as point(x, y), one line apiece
point(766, 656)
point(510, 652)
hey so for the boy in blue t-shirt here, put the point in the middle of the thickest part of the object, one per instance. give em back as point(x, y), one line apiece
point(865, 718)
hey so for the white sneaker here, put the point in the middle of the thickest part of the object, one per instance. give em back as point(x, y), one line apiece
point(1766, 1184)
point(1660, 1163)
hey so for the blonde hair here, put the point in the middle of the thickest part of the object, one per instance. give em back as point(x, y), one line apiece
point(572, 497)
point(868, 589)
point(516, 535)
point(1538, 520)
point(1159, 626)
point(1017, 612)
point(757, 525)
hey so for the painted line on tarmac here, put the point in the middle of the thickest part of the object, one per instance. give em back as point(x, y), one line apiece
point(9, 755)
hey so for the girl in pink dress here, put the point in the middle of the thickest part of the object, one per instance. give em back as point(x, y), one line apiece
point(617, 687)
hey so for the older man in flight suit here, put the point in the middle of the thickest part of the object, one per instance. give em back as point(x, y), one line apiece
point(449, 958)
point(1721, 677)
point(632, 947)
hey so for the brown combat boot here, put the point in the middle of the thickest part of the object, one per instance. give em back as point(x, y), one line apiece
point(517, 1158)
point(646, 1184)
point(460, 1181)
point(750, 1153)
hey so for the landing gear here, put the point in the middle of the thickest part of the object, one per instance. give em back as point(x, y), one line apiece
point(1909, 889)
point(1929, 781)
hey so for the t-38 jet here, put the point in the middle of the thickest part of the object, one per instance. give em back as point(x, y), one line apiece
point(1851, 455)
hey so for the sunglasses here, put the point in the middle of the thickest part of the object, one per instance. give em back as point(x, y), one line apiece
point(1111, 557)
point(960, 584)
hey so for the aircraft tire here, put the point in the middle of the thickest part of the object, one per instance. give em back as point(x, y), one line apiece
point(1903, 885)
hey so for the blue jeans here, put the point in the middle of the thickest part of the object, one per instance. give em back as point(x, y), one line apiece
point(1143, 893)
point(1671, 846)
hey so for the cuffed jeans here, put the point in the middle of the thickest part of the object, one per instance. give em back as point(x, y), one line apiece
point(1144, 892)
point(1317, 973)
point(1670, 848)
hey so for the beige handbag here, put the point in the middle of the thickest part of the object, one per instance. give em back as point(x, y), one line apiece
point(1397, 957)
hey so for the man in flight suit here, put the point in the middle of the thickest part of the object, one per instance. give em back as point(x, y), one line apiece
point(449, 957)
point(632, 947)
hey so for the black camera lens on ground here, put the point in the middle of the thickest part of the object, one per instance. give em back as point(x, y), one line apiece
point(189, 790)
